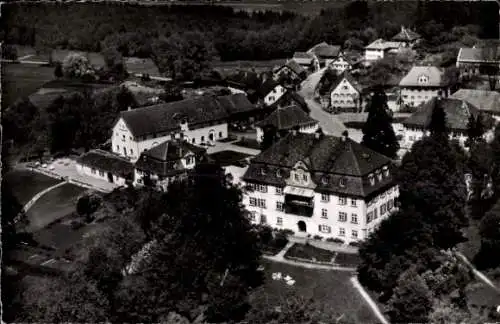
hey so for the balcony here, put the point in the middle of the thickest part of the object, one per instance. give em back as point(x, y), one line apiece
point(305, 210)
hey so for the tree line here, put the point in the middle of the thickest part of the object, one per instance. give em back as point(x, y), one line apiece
point(134, 29)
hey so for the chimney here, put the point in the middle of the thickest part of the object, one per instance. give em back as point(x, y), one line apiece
point(345, 136)
point(294, 132)
point(129, 108)
point(440, 95)
point(317, 135)
point(402, 28)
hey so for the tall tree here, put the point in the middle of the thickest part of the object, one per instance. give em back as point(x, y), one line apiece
point(437, 126)
point(490, 52)
point(378, 133)
point(115, 64)
point(490, 239)
point(475, 130)
point(269, 137)
point(76, 65)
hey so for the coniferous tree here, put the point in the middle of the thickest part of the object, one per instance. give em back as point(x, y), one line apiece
point(437, 125)
point(378, 133)
point(490, 239)
point(270, 136)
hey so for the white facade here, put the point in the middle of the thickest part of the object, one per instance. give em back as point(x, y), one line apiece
point(125, 144)
point(374, 54)
point(347, 218)
point(274, 95)
point(344, 96)
point(99, 174)
point(416, 96)
point(308, 129)
point(339, 64)
point(412, 135)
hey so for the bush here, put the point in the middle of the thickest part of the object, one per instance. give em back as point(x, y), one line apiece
point(76, 224)
point(356, 244)
point(318, 237)
point(335, 240)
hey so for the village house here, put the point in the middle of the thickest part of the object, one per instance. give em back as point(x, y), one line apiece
point(421, 84)
point(290, 98)
point(345, 95)
point(291, 71)
point(325, 53)
point(458, 113)
point(308, 61)
point(167, 162)
point(320, 185)
point(244, 81)
point(286, 119)
point(271, 91)
point(341, 63)
point(379, 48)
point(200, 120)
point(476, 60)
point(485, 101)
point(407, 36)
point(105, 166)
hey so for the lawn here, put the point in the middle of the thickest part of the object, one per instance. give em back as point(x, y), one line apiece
point(21, 80)
point(309, 252)
point(248, 143)
point(331, 290)
point(347, 259)
point(26, 184)
point(52, 206)
point(225, 158)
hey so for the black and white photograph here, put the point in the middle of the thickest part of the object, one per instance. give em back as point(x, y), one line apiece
point(250, 161)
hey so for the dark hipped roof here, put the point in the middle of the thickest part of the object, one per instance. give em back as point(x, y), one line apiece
point(198, 111)
point(457, 113)
point(295, 67)
point(325, 50)
point(482, 99)
point(287, 118)
point(291, 98)
point(328, 158)
point(164, 159)
point(406, 35)
point(107, 162)
point(268, 86)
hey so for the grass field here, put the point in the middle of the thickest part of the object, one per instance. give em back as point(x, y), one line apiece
point(331, 290)
point(26, 184)
point(21, 80)
point(54, 205)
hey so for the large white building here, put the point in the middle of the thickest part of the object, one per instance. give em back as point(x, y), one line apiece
point(457, 113)
point(379, 48)
point(200, 120)
point(320, 185)
point(421, 84)
point(105, 166)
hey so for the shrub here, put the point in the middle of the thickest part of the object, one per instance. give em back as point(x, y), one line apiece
point(76, 224)
point(335, 240)
point(265, 234)
point(318, 237)
point(356, 244)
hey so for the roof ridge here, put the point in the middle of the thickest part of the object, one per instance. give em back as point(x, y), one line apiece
point(356, 163)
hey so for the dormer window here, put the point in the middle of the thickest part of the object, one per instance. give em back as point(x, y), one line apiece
point(278, 173)
point(324, 180)
point(423, 79)
point(371, 178)
point(379, 175)
point(386, 171)
point(263, 171)
point(343, 182)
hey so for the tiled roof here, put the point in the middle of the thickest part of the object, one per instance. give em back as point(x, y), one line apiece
point(383, 45)
point(347, 76)
point(166, 117)
point(303, 58)
point(291, 98)
point(325, 50)
point(244, 79)
point(434, 74)
point(295, 67)
point(467, 54)
point(107, 162)
point(406, 35)
point(287, 118)
point(164, 159)
point(482, 99)
point(457, 113)
point(268, 86)
point(328, 158)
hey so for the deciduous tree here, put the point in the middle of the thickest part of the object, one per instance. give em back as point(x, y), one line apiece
point(490, 239)
point(76, 65)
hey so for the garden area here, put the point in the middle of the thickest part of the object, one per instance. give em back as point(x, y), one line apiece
point(333, 294)
point(271, 241)
point(26, 184)
point(227, 157)
point(310, 253)
point(248, 143)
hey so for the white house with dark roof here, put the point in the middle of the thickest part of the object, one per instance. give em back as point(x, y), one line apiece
point(105, 166)
point(198, 120)
point(325, 53)
point(320, 185)
point(271, 91)
point(345, 94)
point(308, 61)
point(471, 61)
point(407, 36)
point(285, 119)
point(421, 84)
point(379, 48)
point(457, 113)
point(292, 70)
point(341, 63)
point(166, 162)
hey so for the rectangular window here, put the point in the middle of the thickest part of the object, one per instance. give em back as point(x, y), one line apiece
point(130, 137)
point(369, 217)
point(390, 204)
point(342, 201)
point(297, 177)
point(93, 171)
point(324, 213)
point(261, 203)
point(304, 177)
point(263, 219)
point(382, 195)
point(252, 217)
point(341, 231)
point(279, 206)
point(325, 197)
point(353, 202)
point(383, 209)
point(123, 138)
point(354, 218)
point(131, 152)
point(279, 221)
point(253, 201)
point(279, 191)
point(342, 217)
point(354, 234)
point(118, 148)
point(375, 211)
point(101, 173)
point(324, 229)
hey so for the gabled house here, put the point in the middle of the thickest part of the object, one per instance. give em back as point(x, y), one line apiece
point(105, 166)
point(199, 120)
point(291, 72)
point(341, 63)
point(286, 119)
point(291, 98)
point(379, 48)
point(271, 91)
point(166, 162)
point(475, 60)
point(421, 84)
point(457, 113)
point(308, 61)
point(486, 101)
point(344, 95)
point(320, 185)
point(325, 53)
point(407, 36)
